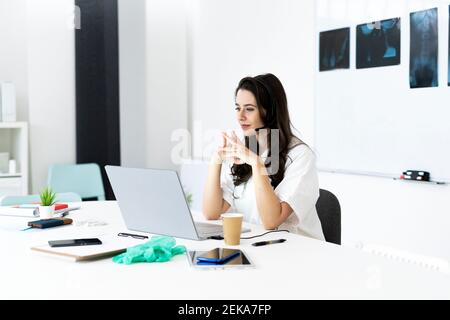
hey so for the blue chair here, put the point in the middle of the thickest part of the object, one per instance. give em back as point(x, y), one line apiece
point(84, 179)
point(60, 197)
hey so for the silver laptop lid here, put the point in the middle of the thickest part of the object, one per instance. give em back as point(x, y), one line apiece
point(152, 200)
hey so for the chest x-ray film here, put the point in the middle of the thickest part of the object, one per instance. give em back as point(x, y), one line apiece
point(378, 44)
point(334, 50)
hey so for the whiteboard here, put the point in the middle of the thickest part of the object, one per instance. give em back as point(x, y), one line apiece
point(369, 121)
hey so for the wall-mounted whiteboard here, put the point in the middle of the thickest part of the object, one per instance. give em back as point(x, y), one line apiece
point(370, 121)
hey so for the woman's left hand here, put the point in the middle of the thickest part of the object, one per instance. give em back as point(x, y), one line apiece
point(238, 152)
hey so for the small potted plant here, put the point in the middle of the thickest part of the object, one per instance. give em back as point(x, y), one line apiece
point(189, 199)
point(188, 195)
point(47, 207)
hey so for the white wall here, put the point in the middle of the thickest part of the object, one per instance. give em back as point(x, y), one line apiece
point(166, 78)
point(37, 54)
point(153, 79)
point(51, 86)
point(231, 39)
point(133, 81)
point(153, 82)
point(13, 48)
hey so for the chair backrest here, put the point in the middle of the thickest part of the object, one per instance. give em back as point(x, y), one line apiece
point(193, 174)
point(329, 212)
point(84, 179)
point(60, 197)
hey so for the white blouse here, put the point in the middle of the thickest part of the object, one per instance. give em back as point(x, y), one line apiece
point(299, 188)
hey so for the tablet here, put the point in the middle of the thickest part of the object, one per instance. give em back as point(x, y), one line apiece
point(240, 261)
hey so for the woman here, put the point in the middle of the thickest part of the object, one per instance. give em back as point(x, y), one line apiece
point(276, 190)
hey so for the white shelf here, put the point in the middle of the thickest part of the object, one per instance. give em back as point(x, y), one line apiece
point(10, 175)
point(14, 141)
point(13, 125)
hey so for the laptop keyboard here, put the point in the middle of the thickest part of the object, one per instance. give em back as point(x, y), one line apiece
point(208, 228)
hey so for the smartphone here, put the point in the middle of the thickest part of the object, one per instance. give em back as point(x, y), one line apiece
point(218, 256)
point(74, 242)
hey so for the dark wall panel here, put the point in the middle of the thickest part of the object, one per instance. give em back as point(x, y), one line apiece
point(97, 85)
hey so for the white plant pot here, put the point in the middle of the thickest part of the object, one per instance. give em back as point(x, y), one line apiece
point(46, 212)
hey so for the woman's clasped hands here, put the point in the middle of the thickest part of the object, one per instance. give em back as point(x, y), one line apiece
point(234, 150)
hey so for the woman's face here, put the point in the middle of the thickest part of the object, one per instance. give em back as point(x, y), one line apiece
point(247, 112)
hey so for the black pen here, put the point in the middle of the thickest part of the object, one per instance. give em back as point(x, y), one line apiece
point(67, 211)
point(263, 243)
point(136, 236)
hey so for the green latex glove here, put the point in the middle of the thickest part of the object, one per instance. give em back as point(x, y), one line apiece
point(158, 249)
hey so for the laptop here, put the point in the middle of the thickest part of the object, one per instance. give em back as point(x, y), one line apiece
point(153, 201)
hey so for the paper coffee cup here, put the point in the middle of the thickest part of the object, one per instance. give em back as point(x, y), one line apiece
point(232, 225)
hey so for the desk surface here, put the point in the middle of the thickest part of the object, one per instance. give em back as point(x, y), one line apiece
point(300, 268)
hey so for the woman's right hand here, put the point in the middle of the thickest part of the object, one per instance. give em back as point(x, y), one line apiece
point(219, 156)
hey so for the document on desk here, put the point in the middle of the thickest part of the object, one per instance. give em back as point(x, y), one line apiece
point(111, 246)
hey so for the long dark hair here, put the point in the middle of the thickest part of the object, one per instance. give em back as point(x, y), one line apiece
point(272, 104)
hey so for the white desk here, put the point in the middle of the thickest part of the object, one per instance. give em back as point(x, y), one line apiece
point(300, 268)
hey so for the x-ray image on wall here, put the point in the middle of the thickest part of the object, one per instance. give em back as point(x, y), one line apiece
point(378, 44)
point(334, 52)
point(423, 61)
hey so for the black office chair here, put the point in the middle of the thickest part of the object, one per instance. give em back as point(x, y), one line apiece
point(329, 212)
